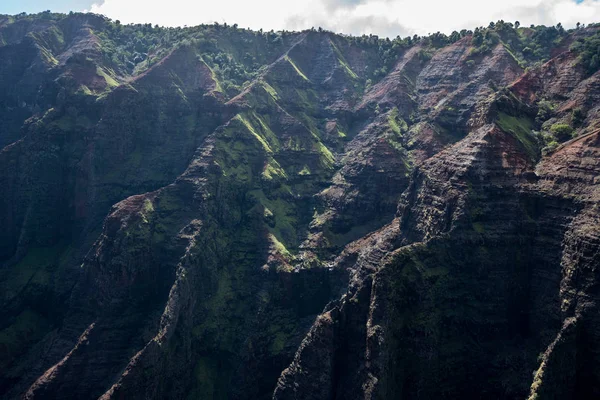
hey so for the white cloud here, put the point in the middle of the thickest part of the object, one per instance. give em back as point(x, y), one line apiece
point(382, 17)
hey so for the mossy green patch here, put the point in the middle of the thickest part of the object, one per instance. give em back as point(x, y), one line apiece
point(509, 51)
point(278, 343)
point(304, 171)
point(396, 123)
point(280, 247)
point(233, 160)
point(148, 206)
point(306, 100)
point(295, 144)
point(288, 59)
point(342, 61)
point(267, 213)
point(261, 135)
point(236, 154)
point(272, 170)
point(110, 81)
point(215, 78)
point(395, 140)
point(56, 35)
point(521, 128)
point(147, 210)
point(285, 216)
point(84, 90)
point(269, 89)
point(326, 156)
point(47, 56)
point(266, 131)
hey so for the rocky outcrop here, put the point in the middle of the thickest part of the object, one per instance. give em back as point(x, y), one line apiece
point(479, 285)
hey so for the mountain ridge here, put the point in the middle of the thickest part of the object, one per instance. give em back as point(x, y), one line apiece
point(218, 213)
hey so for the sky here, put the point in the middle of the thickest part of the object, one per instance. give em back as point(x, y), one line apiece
point(381, 17)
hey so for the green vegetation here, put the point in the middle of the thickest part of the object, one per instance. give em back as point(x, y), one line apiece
point(284, 214)
point(528, 46)
point(561, 132)
point(48, 56)
point(343, 61)
point(260, 173)
point(483, 40)
point(279, 342)
point(521, 128)
point(577, 116)
point(227, 50)
point(305, 171)
point(588, 49)
point(545, 111)
point(273, 169)
point(558, 133)
point(327, 158)
point(288, 59)
point(258, 127)
point(272, 92)
point(232, 156)
point(110, 81)
point(254, 132)
point(147, 210)
point(132, 49)
point(396, 123)
point(279, 247)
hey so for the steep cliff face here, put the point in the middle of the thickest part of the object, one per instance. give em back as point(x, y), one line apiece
point(305, 215)
point(473, 286)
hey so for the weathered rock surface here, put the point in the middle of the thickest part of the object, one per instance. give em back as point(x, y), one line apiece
point(294, 218)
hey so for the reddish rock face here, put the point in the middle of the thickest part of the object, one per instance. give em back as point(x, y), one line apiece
point(217, 213)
